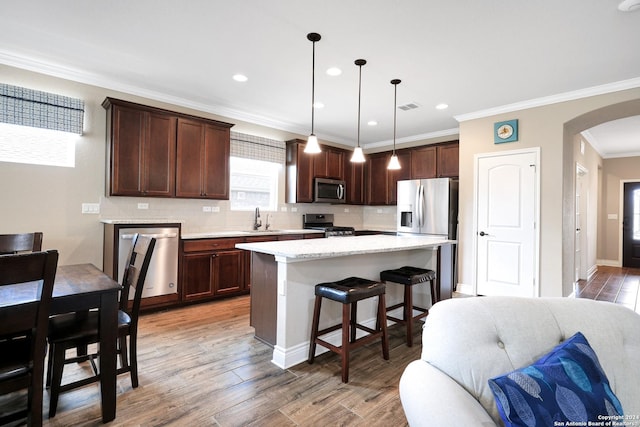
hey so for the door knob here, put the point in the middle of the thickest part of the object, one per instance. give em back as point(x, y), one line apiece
point(482, 233)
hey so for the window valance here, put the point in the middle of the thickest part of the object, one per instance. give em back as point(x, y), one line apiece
point(257, 148)
point(28, 107)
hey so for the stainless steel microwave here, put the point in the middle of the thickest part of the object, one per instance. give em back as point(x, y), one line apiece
point(328, 190)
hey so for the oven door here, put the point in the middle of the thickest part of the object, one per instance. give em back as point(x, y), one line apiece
point(329, 191)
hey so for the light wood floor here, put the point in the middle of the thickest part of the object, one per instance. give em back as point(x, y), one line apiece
point(201, 366)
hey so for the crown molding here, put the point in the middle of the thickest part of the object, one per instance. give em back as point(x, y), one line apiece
point(588, 136)
point(553, 99)
point(414, 138)
point(79, 76)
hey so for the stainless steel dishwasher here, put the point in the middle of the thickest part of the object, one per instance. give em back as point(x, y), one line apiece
point(162, 276)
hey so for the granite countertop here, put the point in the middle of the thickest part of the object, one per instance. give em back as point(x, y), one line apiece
point(142, 221)
point(343, 246)
point(246, 233)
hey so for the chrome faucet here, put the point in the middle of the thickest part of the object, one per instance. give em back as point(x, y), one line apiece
point(257, 223)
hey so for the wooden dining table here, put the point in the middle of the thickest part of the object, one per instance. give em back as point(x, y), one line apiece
point(83, 287)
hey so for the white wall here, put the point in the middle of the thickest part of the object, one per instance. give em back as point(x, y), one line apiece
point(49, 199)
point(546, 127)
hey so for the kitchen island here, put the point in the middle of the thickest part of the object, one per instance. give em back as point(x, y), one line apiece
point(284, 274)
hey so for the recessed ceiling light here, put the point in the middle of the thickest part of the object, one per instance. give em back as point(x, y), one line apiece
point(240, 77)
point(442, 106)
point(372, 123)
point(318, 104)
point(334, 71)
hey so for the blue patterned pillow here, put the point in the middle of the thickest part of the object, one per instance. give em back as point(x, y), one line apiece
point(567, 384)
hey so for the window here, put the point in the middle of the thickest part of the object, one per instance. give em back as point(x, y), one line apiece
point(23, 144)
point(38, 127)
point(254, 183)
point(255, 165)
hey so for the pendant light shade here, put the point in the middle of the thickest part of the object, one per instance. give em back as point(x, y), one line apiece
point(312, 146)
point(358, 155)
point(394, 164)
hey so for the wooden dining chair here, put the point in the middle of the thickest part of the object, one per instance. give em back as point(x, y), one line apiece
point(26, 285)
point(78, 330)
point(24, 242)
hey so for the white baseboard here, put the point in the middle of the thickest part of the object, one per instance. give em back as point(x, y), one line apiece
point(465, 288)
point(593, 270)
point(287, 357)
point(609, 262)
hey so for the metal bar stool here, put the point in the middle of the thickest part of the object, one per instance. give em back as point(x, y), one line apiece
point(348, 292)
point(409, 276)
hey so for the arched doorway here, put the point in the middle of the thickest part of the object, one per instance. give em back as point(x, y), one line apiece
point(571, 129)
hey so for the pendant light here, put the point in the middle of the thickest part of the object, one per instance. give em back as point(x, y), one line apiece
point(358, 155)
point(394, 164)
point(312, 146)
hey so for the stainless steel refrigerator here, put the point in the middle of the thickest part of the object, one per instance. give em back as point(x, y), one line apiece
point(428, 206)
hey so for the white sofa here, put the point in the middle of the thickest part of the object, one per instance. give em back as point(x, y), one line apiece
point(466, 341)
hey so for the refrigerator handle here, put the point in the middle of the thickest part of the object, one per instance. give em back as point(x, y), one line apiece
point(417, 205)
point(421, 206)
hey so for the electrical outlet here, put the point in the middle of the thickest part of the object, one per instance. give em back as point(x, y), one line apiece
point(346, 210)
point(143, 205)
point(215, 208)
point(283, 209)
point(294, 209)
point(91, 208)
point(206, 209)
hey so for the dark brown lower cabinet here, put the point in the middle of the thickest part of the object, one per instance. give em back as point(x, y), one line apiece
point(197, 278)
point(212, 268)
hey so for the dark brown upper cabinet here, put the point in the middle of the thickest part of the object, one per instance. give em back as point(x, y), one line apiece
point(377, 182)
point(329, 163)
point(142, 151)
point(381, 182)
point(202, 164)
point(435, 161)
point(423, 162)
point(160, 153)
point(354, 178)
point(448, 160)
point(393, 176)
point(299, 185)
point(302, 168)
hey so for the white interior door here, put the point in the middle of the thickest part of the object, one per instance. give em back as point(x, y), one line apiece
point(506, 213)
point(581, 221)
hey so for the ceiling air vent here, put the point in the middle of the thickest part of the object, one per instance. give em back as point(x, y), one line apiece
point(409, 106)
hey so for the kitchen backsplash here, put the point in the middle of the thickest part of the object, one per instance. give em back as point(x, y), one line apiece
point(220, 218)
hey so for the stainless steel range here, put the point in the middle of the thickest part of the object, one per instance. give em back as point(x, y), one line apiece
point(325, 222)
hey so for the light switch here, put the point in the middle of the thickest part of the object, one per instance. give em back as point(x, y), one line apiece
point(143, 205)
point(91, 208)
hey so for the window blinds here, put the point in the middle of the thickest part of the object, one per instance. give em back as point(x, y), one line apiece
point(257, 148)
point(27, 107)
